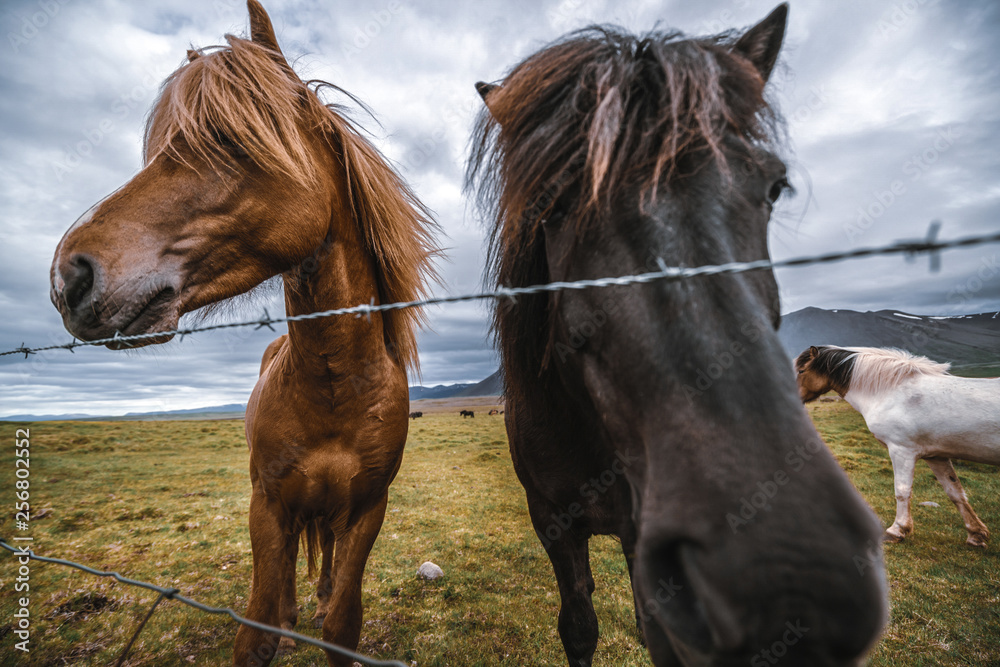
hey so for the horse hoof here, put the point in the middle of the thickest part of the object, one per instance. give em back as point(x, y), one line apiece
point(318, 621)
point(978, 541)
point(285, 647)
point(892, 538)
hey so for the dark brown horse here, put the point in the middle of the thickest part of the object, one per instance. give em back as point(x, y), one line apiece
point(666, 414)
point(249, 175)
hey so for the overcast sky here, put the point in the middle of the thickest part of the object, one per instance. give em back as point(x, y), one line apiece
point(893, 111)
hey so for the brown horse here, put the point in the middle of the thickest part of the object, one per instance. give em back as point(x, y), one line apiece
point(249, 175)
point(667, 413)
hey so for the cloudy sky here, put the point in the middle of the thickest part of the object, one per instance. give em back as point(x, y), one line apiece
point(893, 110)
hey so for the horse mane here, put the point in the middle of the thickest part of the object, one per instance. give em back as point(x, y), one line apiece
point(243, 96)
point(877, 370)
point(579, 120)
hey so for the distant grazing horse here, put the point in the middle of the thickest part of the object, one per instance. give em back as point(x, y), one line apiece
point(606, 154)
point(467, 413)
point(249, 175)
point(493, 412)
point(918, 410)
point(415, 415)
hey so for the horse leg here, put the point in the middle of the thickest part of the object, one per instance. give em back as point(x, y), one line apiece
point(342, 625)
point(289, 608)
point(272, 547)
point(942, 468)
point(569, 553)
point(628, 549)
point(325, 585)
point(903, 463)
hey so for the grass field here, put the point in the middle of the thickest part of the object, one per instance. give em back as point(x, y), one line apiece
point(166, 502)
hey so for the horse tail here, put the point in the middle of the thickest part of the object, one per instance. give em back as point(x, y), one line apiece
point(311, 541)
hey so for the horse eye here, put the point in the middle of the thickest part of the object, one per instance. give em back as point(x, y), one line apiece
point(777, 189)
point(230, 146)
point(553, 219)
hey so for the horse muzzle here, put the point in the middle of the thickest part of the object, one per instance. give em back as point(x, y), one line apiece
point(748, 596)
point(93, 307)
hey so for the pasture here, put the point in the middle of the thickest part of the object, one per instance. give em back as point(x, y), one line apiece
point(166, 502)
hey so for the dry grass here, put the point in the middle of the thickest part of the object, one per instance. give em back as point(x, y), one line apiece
point(166, 502)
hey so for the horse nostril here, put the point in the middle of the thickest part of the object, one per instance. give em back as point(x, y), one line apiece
point(79, 278)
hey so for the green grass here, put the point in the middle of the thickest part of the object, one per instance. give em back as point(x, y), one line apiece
point(166, 502)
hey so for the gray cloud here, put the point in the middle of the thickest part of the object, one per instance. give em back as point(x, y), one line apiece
point(868, 89)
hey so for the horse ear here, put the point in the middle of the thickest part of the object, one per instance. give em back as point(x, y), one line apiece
point(813, 352)
point(262, 34)
point(261, 30)
point(761, 43)
point(485, 89)
point(192, 54)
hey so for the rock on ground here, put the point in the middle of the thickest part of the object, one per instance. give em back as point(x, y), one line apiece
point(430, 571)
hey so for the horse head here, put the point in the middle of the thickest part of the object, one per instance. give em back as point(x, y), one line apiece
point(605, 154)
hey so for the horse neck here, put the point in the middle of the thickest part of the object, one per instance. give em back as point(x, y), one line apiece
point(863, 401)
point(339, 274)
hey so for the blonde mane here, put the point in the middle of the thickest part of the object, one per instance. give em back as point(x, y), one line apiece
point(877, 370)
point(244, 97)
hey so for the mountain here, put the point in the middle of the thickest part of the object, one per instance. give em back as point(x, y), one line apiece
point(491, 386)
point(971, 343)
point(45, 418)
point(231, 410)
point(439, 391)
point(229, 407)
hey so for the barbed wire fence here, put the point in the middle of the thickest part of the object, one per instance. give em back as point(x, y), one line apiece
point(928, 245)
point(665, 273)
point(174, 594)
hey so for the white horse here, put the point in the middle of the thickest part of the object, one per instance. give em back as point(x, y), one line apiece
point(918, 410)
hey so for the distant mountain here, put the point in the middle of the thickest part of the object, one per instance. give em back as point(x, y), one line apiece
point(491, 386)
point(439, 391)
point(45, 418)
point(229, 410)
point(968, 342)
point(229, 407)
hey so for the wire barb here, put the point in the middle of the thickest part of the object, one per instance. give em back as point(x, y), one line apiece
point(265, 321)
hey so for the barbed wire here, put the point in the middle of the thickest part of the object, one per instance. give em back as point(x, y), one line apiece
point(174, 594)
point(665, 273)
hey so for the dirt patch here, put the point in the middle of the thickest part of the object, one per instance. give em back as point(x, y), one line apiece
point(82, 606)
